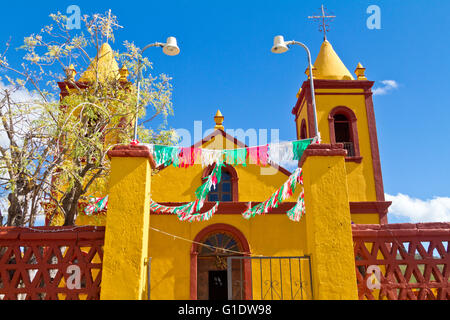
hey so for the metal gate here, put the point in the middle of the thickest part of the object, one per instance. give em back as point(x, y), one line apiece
point(270, 278)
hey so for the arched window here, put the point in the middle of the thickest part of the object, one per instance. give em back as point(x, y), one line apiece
point(227, 189)
point(342, 133)
point(303, 132)
point(222, 191)
point(343, 129)
point(216, 242)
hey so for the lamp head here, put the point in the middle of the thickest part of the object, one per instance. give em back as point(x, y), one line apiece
point(279, 45)
point(170, 47)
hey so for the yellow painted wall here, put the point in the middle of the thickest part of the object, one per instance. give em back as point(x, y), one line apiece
point(94, 220)
point(328, 228)
point(269, 235)
point(126, 234)
point(365, 218)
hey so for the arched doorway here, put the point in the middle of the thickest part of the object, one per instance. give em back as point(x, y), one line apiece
point(209, 278)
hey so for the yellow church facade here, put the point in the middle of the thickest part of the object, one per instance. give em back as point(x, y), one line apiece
point(148, 254)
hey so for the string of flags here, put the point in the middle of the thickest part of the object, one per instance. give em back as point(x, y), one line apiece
point(183, 157)
point(96, 205)
point(185, 212)
point(261, 155)
point(284, 192)
point(298, 210)
point(190, 211)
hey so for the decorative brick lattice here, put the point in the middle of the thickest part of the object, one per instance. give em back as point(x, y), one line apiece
point(34, 262)
point(413, 260)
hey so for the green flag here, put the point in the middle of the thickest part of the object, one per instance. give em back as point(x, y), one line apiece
point(298, 147)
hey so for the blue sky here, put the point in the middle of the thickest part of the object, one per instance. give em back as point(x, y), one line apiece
point(226, 63)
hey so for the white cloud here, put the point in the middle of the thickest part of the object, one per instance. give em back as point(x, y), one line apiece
point(388, 85)
point(417, 210)
point(18, 96)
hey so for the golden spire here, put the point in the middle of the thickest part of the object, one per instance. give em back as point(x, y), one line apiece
point(314, 70)
point(359, 71)
point(104, 63)
point(123, 73)
point(218, 118)
point(70, 73)
point(329, 66)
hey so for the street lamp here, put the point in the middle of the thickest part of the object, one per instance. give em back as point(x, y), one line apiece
point(169, 48)
point(281, 46)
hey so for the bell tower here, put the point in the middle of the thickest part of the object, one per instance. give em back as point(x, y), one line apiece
point(102, 69)
point(345, 114)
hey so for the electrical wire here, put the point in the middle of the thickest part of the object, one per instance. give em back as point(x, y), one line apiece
point(203, 244)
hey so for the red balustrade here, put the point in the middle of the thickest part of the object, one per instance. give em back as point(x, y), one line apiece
point(413, 260)
point(34, 262)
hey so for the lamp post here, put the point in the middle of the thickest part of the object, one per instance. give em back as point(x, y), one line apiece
point(169, 48)
point(281, 46)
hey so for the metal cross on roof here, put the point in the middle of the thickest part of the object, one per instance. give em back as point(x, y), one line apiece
point(323, 26)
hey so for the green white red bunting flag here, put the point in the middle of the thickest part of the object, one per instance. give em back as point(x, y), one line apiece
point(286, 191)
point(190, 211)
point(260, 155)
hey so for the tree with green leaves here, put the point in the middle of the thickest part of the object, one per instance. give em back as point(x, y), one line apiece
point(57, 157)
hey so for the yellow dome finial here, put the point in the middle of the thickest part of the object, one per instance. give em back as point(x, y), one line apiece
point(123, 73)
point(329, 66)
point(104, 63)
point(314, 71)
point(360, 72)
point(218, 118)
point(70, 73)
